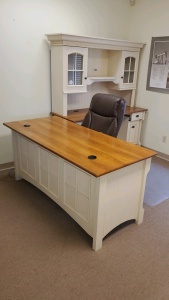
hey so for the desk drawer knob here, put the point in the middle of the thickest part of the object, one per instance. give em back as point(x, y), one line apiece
point(133, 126)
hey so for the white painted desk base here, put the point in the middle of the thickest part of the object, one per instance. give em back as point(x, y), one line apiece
point(97, 204)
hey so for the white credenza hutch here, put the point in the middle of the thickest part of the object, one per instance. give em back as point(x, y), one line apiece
point(83, 66)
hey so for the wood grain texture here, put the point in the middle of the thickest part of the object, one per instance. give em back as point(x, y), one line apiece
point(75, 143)
point(131, 110)
point(78, 115)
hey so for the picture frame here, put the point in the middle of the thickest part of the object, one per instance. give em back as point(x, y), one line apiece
point(158, 68)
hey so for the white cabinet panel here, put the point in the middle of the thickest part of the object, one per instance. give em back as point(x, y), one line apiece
point(83, 183)
point(70, 197)
point(82, 207)
point(133, 132)
point(77, 191)
point(131, 128)
point(70, 175)
point(48, 171)
point(28, 157)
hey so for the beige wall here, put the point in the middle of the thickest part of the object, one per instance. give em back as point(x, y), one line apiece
point(150, 18)
point(24, 52)
point(25, 59)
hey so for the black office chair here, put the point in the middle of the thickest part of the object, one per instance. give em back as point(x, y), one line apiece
point(105, 114)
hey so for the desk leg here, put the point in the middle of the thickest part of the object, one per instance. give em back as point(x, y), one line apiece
point(97, 243)
point(140, 216)
point(16, 155)
point(99, 200)
point(111, 208)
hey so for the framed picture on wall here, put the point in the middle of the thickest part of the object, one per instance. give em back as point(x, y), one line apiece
point(158, 69)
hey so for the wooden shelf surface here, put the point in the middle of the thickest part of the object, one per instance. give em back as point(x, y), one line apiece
point(78, 115)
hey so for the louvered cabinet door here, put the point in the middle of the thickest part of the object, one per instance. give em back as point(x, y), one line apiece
point(74, 69)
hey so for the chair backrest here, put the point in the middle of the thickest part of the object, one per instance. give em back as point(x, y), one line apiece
point(105, 114)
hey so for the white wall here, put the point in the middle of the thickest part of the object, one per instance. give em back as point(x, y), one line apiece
point(150, 18)
point(25, 55)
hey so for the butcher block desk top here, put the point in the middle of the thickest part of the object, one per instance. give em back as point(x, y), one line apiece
point(75, 143)
point(78, 115)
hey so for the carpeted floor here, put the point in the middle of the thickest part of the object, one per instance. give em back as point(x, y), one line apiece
point(45, 255)
point(157, 185)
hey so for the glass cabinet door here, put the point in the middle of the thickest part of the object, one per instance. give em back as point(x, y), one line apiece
point(74, 69)
point(129, 69)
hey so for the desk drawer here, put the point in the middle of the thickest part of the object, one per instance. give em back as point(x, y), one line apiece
point(137, 116)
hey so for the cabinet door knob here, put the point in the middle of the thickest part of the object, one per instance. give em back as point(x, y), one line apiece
point(133, 126)
point(137, 116)
point(85, 78)
point(122, 77)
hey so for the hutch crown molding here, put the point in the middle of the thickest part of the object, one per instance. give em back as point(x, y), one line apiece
point(60, 39)
point(82, 66)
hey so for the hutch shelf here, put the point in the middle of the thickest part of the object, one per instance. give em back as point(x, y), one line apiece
point(82, 66)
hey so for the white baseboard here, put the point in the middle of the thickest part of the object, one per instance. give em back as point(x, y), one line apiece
point(159, 154)
point(7, 166)
point(163, 156)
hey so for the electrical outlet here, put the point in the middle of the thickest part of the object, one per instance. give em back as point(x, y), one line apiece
point(164, 139)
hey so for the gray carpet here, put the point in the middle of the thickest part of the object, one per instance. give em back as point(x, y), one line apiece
point(45, 255)
point(157, 185)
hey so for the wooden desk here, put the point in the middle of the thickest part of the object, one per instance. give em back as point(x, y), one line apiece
point(78, 115)
point(99, 194)
point(130, 129)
